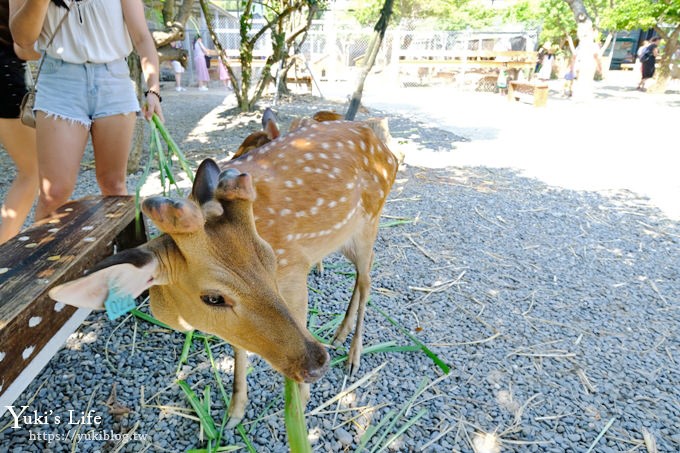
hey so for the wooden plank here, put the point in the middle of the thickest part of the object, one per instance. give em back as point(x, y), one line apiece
point(11, 393)
point(460, 56)
point(302, 80)
point(537, 92)
point(470, 63)
point(58, 249)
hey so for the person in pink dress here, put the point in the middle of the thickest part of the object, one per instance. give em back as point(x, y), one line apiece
point(202, 75)
point(224, 74)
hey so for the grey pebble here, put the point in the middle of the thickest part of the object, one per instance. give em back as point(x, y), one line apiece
point(343, 437)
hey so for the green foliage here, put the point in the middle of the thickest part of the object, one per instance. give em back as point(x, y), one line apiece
point(367, 12)
point(462, 14)
point(523, 12)
point(645, 14)
point(558, 21)
point(446, 14)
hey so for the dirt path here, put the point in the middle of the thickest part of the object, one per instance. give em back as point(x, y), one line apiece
point(596, 145)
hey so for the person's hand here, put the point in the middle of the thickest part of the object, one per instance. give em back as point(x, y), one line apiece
point(152, 105)
point(26, 54)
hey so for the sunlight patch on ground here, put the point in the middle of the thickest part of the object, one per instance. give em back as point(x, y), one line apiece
point(153, 186)
point(622, 140)
point(211, 122)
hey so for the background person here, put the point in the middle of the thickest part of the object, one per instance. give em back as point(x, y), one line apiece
point(202, 74)
point(224, 74)
point(178, 69)
point(85, 89)
point(17, 139)
point(648, 62)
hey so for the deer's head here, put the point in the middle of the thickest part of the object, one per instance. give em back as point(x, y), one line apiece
point(210, 271)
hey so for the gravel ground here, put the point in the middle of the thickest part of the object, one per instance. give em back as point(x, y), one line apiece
point(556, 310)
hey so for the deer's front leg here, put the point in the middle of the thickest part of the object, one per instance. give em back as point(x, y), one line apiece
point(239, 394)
point(293, 287)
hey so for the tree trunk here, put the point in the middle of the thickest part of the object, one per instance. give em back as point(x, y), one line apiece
point(663, 74)
point(371, 54)
point(137, 146)
point(587, 52)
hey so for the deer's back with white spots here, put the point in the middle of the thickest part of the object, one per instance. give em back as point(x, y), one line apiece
point(317, 187)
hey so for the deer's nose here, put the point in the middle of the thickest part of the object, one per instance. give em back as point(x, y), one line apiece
point(317, 365)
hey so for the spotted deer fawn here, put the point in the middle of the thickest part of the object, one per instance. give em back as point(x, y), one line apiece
point(235, 255)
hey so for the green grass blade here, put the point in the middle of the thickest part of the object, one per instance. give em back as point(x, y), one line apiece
point(370, 432)
point(145, 174)
point(188, 338)
point(403, 429)
point(244, 435)
point(205, 418)
point(389, 346)
point(437, 361)
point(206, 399)
point(216, 450)
point(216, 374)
point(173, 148)
point(330, 326)
point(160, 155)
point(148, 318)
point(273, 401)
point(402, 411)
point(220, 385)
point(294, 417)
point(394, 223)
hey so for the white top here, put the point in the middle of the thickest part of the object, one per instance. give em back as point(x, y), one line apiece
point(94, 32)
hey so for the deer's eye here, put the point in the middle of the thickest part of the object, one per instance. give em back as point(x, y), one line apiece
point(215, 300)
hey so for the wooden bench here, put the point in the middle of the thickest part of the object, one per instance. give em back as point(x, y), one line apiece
point(32, 326)
point(305, 80)
point(536, 92)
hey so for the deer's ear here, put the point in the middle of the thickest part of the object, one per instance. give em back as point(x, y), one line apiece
point(174, 216)
point(269, 124)
point(128, 273)
point(205, 181)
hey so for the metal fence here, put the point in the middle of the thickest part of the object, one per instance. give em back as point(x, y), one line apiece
point(335, 51)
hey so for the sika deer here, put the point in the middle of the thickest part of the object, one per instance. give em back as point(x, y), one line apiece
point(270, 129)
point(319, 117)
point(269, 132)
point(308, 194)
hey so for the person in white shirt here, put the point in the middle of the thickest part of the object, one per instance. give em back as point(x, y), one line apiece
point(84, 88)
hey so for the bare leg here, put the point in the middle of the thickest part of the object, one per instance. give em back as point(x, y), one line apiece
point(111, 139)
point(19, 141)
point(61, 144)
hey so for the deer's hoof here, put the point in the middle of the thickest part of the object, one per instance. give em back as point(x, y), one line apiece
point(234, 421)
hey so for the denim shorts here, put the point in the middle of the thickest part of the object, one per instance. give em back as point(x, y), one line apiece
point(84, 92)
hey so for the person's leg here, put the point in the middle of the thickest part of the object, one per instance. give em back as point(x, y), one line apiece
point(19, 141)
point(61, 145)
point(111, 140)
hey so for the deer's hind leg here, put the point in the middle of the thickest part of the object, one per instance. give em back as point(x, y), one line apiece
point(359, 250)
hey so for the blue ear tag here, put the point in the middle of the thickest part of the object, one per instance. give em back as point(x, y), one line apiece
point(118, 303)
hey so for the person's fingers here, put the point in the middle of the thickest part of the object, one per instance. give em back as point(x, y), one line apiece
point(159, 112)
